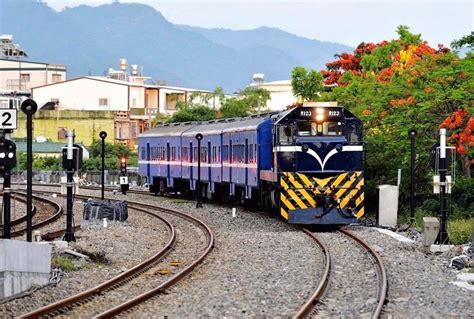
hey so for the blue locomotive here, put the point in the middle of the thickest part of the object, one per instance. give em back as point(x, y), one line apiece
point(305, 163)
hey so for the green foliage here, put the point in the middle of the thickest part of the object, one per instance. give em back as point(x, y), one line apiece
point(431, 205)
point(393, 97)
point(193, 113)
point(21, 161)
point(234, 107)
point(306, 84)
point(463, 194)
point(461, 231)
point(465, 40)
point(64, 263)
point(407, 37)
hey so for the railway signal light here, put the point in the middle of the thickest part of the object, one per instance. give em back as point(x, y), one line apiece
point(7, 155)
point(123, 165)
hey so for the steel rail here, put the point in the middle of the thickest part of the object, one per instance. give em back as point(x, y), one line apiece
point(169, 283)
point(53, 218)
point(20, 220)
point(117, 280)
point(321, 289)
point(382, 277)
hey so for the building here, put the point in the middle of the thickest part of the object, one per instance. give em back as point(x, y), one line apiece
point(18, 75)
point(131, 101)
point(48, 149)
point(281, 93)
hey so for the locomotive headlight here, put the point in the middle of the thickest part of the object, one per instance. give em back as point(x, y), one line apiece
point(319, 114)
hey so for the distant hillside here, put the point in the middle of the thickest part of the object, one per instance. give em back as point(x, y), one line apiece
point(89, 40)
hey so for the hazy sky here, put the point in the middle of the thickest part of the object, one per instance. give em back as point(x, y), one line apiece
point(348, 22)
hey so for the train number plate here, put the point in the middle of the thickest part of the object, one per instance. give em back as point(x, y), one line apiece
point(8, 119)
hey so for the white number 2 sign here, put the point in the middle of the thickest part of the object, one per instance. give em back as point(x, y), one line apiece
point(7, 119)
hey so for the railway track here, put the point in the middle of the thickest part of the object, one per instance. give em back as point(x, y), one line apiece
point(41, 215)
point(99, 298)
point(311, 307)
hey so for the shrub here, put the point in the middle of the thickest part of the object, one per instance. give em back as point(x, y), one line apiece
point(64, 263)
point(463, 193)
point(461, 231)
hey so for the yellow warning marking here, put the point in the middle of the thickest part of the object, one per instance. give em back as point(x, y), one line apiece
point(163, 271)
point(302, 191)
point(337, 181)
point(305, 180)
point(284, 213)
point(360, 213)
point(351, 193)
point(286, 202)
point(322, 182)
point(175, 263)
point(297, 199)
point(359, 199)
point(345, 186)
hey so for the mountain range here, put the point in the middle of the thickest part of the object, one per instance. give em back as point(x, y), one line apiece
point(89, 40)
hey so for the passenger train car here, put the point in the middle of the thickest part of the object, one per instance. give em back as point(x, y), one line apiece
point(305, 163)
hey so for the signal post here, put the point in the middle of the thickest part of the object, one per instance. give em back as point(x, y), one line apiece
point(124, 186)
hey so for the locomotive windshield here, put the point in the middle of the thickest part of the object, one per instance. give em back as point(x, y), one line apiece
point(312, 128)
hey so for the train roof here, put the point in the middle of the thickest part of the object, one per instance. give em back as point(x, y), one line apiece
point(172, 129)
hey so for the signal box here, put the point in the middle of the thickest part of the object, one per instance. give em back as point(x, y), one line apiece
point(76, 157)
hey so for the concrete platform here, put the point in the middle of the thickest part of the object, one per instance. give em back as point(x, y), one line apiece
point(22, 265)
point(398, 237)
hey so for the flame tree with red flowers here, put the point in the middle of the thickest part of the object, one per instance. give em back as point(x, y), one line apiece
point(397, 85)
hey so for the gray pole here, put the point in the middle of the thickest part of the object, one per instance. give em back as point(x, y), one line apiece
point(412, 133)
point(103, 135)
point(29, 107)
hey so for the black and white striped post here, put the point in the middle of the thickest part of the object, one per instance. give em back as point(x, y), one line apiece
point(443, 233)
point(103, 135)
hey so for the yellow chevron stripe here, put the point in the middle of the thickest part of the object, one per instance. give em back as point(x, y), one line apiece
point(351, 193)
point(360, 213)
point(337, 181)
point(303, 192)
point(297, 199)
point(305, 180)
point(284, 213)
point(359, 199)
point(283, 184)
point(346, 185)
point(286, 202)
point(322, 182)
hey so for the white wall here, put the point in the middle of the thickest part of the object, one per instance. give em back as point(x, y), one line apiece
point(39, 73)
point(84, 94)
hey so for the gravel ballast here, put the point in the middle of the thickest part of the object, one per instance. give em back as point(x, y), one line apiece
point(264, 267)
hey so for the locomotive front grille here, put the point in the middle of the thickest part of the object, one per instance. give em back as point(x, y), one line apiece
point(342, 192)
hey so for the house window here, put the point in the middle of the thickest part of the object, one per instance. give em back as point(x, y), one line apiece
point(103, 101)
point(57, 78)
point(25, 77)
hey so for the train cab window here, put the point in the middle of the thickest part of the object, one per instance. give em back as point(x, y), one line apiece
point(304, 128)
point(285, 134)
point(143, 153)
point(352, 134)
point(332, 128)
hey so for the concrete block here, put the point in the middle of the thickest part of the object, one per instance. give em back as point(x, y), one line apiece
point(398, 237)
point(430, 230)
point(388, 205)
point(440, 248)
point(22, 265)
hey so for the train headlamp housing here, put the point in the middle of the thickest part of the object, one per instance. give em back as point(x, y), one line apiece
point(320, 115)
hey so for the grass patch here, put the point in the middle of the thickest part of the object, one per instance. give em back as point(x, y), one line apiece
point(461, 231)
point(180, 200)
point(64, 263)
